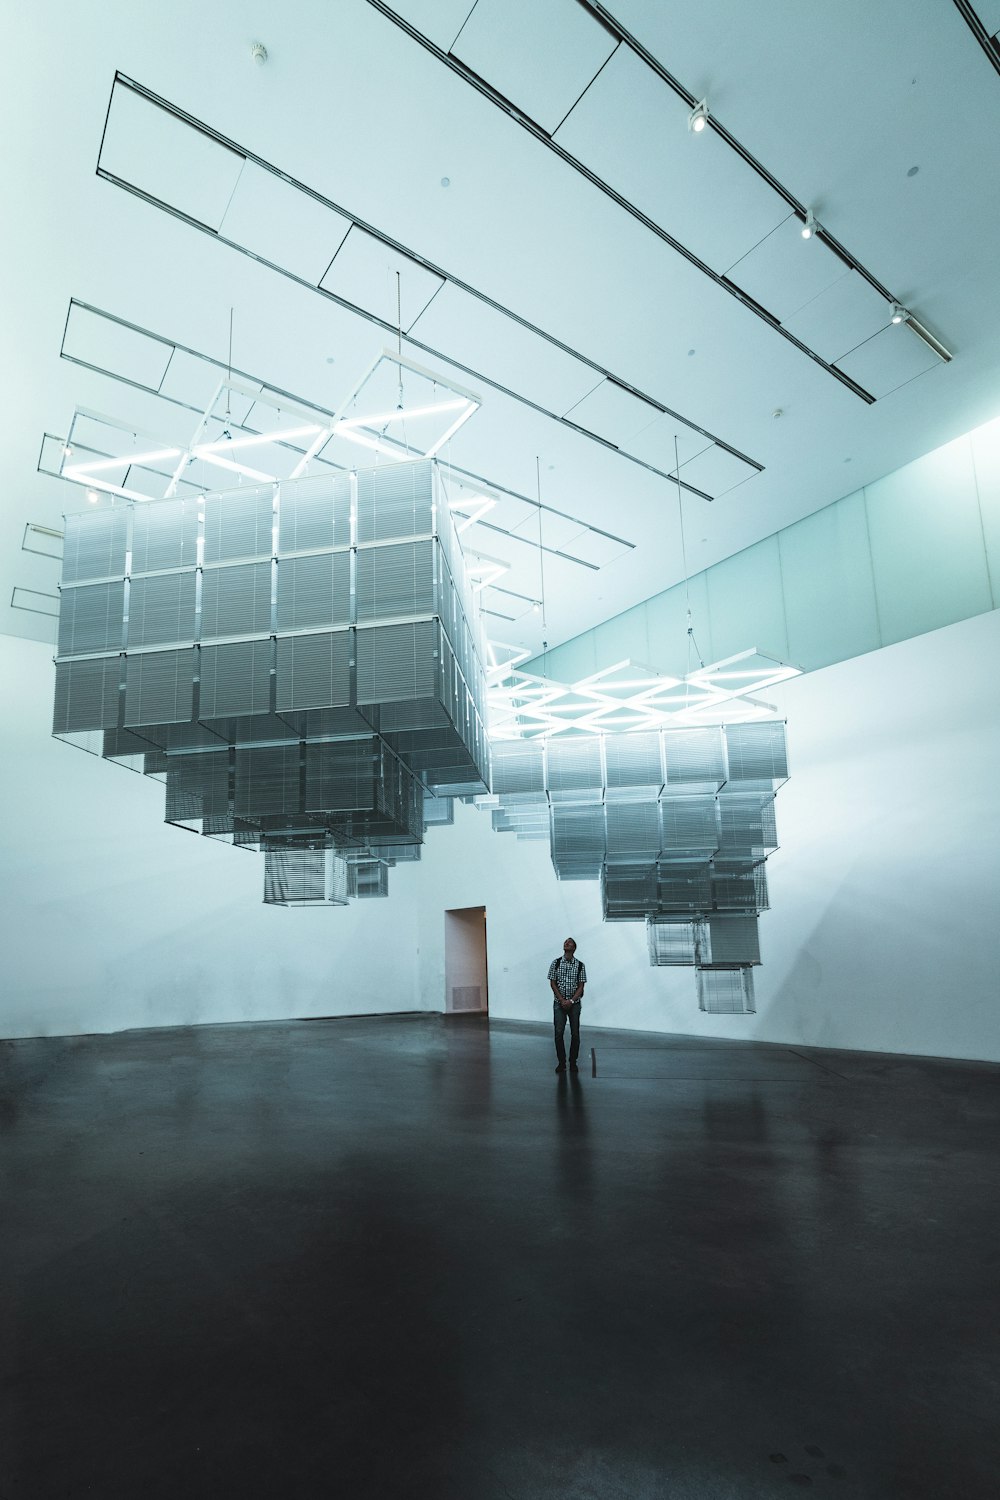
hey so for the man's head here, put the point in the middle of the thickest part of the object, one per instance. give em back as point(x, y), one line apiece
point(569, 947)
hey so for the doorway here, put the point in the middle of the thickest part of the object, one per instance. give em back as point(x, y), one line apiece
point(466, 988)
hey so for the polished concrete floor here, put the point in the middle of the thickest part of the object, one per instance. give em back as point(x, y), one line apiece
point(401, 1258)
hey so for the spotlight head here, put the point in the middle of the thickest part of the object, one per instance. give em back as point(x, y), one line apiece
point(698, 118)
point(811, 227)
point(898, 313)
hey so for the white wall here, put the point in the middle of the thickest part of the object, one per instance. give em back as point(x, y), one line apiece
point(883, 931)
point(111, 919)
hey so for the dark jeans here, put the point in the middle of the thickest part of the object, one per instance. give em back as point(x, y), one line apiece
point(559, 1019)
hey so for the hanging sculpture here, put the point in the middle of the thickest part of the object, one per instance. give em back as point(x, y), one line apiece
point(301, 662)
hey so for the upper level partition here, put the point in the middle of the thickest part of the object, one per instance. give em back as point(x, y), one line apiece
point(912, 552)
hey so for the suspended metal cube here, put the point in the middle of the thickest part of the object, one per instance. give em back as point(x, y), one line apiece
point(573, 769)
point(726, 992)
point(578, 840)
point(683, 887)
point(694, 758)
point(633, 831)
point(304, 877)
point(367, 879)
point(628, 891)
point(633, 766)
point(757, 752)
point(672, 942)
point(729, 940)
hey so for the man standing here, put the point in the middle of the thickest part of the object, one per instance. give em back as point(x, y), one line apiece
point(567, 977)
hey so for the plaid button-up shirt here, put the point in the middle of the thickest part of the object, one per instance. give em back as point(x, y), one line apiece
point(569, 974)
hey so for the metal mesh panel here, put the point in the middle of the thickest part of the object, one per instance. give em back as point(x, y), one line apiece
point(395, 501)
point(628, 891)
point(518, 769)
point(164, 535)
point(304, 877)
point(757, 752)
point(235, 679)
point(528, 820)
point(314, 591)
point(239, 525)
point(578, 840)
point(748, 822)
point(726, 992)
point(634, 765)
point(236, 601)
point(731, 940)
point(395, 580)
point(340, 776)
point(86, 695)
point(94, 545)
point(438, 811)
point(399, 796)
point(690, 826)
point(90, 618)
point(573, 769)
point(739, 887)
point(198, 787)
point(267, 781)
point(694, 755)
point(684, 888)
point(633, 830)
point(314, 512)
point(672, 944)
point(313, 671)
point(159, 687)
point(161, 610)
point(367, 879)
point(397, 662)
point(394, 854)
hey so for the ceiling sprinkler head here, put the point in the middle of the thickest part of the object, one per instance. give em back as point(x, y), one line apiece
point(258, 54)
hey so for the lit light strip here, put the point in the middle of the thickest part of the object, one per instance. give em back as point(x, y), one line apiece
point(115, 489)
point(224, 463)
point(79, 471)
point(523, 704)
point(367, 442)
point(446, 437)
point(402, 414)
point(482, 505)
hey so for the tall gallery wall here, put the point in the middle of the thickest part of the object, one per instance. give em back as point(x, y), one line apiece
point(882, 931)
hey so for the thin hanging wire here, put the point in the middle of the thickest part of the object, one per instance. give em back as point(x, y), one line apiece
point(692, 644)
point(541, 563)
point(229, 376)
point(399, 356)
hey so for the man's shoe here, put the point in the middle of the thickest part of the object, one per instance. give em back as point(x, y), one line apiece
point(573, 1068)
point(561, 1068)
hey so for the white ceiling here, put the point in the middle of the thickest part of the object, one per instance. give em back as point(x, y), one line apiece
point(588, 240)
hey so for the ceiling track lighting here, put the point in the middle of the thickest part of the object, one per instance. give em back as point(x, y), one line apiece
point(900, 314)
point(934, 344)
point(698, 118)
point(811, 227)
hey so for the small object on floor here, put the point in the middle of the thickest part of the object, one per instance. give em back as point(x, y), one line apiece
point(561, 1068)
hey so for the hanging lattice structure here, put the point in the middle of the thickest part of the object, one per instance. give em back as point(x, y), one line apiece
point(300, 662)
point(675, 823)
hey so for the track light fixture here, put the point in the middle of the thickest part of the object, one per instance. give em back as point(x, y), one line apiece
point(898, 313)
point(698, 118)
point(811, 227)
